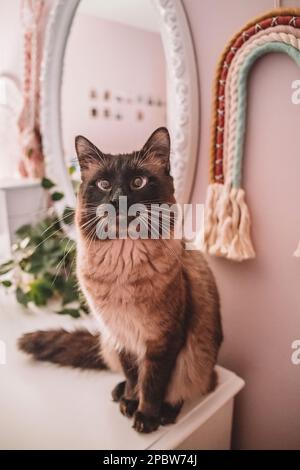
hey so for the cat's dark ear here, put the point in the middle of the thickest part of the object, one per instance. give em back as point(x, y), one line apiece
point(88, 154)
point(157, 148)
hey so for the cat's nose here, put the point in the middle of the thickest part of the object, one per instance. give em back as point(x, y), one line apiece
point(114, 200)
point(115, 203)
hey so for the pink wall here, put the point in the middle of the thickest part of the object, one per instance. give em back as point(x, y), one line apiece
point(260, 298)
point(10, 38)
point(105, 55)
point(10, 65)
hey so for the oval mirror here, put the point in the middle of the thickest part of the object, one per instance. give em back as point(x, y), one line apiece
point(114, 72)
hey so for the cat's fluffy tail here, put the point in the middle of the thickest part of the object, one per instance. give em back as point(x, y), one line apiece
point(78, 348)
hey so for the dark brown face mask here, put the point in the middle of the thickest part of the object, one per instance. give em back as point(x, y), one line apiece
point(142, 177)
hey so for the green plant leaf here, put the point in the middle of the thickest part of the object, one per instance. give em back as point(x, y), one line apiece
point(49, 245)
point(47, 183)
point(6, 267)
point(36, 266)
point(69, 292)
point(57, 280)
point(68, 215)
point(57, 196)
point(48, 255)
point(24, 231)
point(40, 291)
point(22, 297)
point(74, 312)
point(47, 228)
point(24, 264)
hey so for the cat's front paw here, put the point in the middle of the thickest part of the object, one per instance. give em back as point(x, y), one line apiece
point(169, 412)
point(128, 406)
point(118, 391)
point(144, 423)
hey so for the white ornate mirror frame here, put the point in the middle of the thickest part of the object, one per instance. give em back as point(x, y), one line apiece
point(182, 93)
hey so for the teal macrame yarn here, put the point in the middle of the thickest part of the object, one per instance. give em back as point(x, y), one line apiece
point(242, 99)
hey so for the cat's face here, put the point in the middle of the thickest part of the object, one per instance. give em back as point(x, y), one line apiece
point(142, 177)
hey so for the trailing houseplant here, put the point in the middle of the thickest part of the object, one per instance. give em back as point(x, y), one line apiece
point(41, 269)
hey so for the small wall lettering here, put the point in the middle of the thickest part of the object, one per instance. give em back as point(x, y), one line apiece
point(296, 93)
point(140, 115)
point(295, 357)
point(141, 105)
point(106, 95)
point(94, 112)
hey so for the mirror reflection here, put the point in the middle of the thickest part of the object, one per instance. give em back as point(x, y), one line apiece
point(114, 86)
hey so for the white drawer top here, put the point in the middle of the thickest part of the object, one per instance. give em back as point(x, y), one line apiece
point(48, 407)
point(16, 183)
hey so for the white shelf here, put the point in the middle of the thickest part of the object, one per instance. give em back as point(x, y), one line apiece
point(13, 183)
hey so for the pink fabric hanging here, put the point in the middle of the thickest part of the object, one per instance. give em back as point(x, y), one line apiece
point(32, 162)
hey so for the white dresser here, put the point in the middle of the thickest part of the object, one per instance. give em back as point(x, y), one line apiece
point(48, 407)
point(22, 201)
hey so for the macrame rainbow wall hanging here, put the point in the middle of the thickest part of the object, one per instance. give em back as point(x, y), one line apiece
point(227, 224)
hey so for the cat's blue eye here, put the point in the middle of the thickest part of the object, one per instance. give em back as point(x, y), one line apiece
point(104, 185)
point(138, 182)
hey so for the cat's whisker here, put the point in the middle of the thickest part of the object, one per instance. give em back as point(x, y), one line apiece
point(49, 236)
point(66, 253)
point(57, 221)
point(58, 266)
point(71, 269)
point(161, 218)
point(88, 222)
point(166, 225)
point(161, 212)
point(100, 227)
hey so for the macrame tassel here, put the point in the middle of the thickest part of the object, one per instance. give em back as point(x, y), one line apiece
point(297, 252)
point(223, 228)
point(32, 160)
point(227, 224)
point(241, 247)
point(245, 225)
point(211, 218)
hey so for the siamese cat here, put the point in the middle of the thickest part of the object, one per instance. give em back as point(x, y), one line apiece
point(157, 304)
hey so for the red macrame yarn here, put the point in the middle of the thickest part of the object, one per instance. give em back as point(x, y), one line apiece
point(32, 162)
